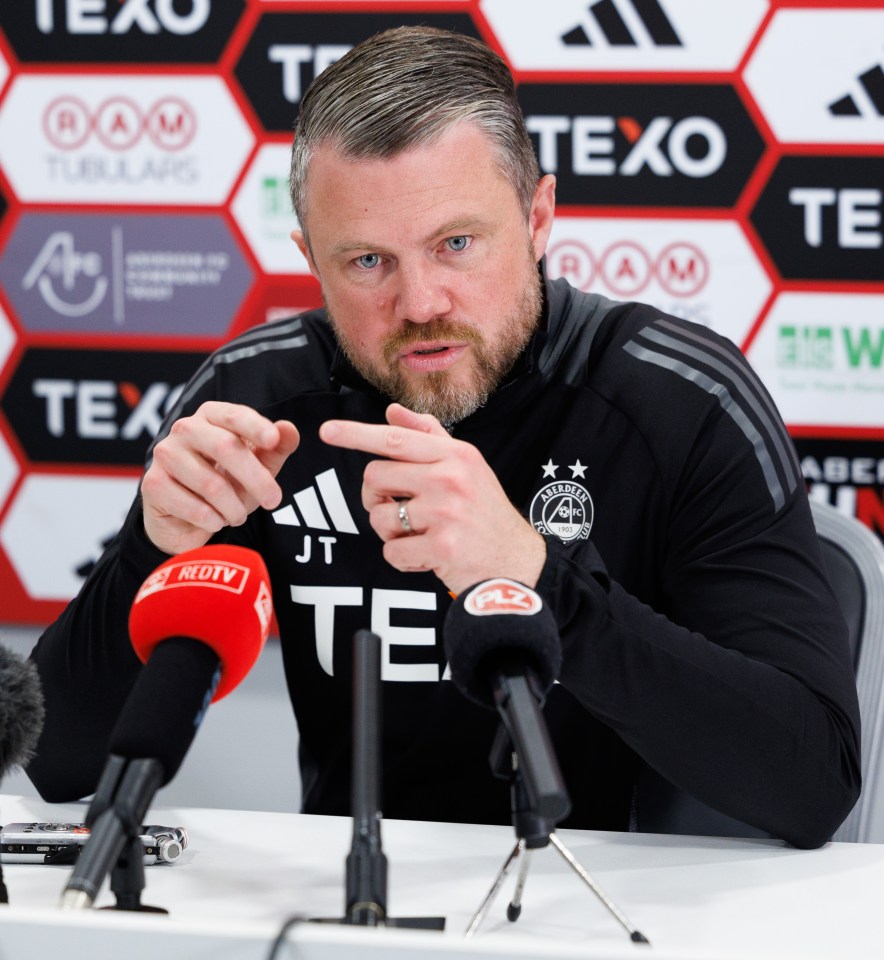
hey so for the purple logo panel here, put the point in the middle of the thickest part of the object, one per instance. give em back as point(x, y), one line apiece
point(164, 274)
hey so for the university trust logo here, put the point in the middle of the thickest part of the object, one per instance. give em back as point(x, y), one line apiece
point(563, 508)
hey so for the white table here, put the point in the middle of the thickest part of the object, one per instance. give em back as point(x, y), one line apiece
point(244, 873)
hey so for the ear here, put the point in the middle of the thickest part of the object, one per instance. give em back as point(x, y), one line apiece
point(301, 243)
point(542, 213)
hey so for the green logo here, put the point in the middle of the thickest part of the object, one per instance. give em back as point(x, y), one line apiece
point(864, 347)
point(806, 348)
point(814, 348)
point(275, 199)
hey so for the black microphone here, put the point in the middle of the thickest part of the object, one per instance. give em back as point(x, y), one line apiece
point(198, 622)
point(504, 652)
point(21, 718)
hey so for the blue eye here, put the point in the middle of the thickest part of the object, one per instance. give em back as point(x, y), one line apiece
point(368, 260)
point(458, 243)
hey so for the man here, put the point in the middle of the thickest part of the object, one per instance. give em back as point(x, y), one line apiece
point(452, 416)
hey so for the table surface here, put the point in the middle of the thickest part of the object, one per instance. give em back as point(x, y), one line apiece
point(245, 872)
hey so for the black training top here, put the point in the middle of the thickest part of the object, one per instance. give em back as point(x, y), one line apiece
point(698, 629)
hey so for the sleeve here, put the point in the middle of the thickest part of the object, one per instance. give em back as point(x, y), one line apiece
point(85, 661)
point(87, 667)
point(738, 687)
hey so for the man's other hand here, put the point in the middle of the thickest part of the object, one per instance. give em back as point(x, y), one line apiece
point(212, 470)
point(462, 524)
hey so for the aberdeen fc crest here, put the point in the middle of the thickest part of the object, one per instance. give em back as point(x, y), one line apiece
point(563, 508)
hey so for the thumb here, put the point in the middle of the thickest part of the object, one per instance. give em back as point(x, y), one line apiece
point(289, 438)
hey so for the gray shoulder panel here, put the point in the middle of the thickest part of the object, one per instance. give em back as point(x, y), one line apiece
point(710, 366)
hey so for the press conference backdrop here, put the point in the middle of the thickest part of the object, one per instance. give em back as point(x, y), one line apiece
point(722, 160)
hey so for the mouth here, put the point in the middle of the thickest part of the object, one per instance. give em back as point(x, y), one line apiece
point(431, 357)
point(428, 350)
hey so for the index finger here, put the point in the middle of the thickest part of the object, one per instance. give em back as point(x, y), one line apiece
point(394, 442)
point(244, 421)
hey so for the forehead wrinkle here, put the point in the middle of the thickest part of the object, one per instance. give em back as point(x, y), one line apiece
point(402, 193)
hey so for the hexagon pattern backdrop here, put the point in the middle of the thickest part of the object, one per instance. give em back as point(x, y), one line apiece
point(722, 160)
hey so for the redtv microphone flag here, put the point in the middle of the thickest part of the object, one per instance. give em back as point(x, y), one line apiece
point(219, 594)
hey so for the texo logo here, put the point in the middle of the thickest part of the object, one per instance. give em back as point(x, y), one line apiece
point(286, 51)
point(338, 611)
point(292, 57)
point(88, 17)
point(97, 405)
point(822, 218)
point(661, 147)
point(120, 31)
point(857, 214)
point(651, 145)
point(86, 406)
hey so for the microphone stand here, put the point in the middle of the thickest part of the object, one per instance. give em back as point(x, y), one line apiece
point(533, 832)
point(114, 818)
point(366, 865)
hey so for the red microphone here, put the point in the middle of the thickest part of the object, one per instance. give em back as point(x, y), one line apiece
point(198, 623)
point(217, 594)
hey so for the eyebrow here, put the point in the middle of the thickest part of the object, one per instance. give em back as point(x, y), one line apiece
point(461, 224)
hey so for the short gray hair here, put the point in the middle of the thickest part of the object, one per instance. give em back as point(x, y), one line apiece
point(405, 88)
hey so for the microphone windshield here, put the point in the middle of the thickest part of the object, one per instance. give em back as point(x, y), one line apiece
point(199, 623)
point(21, 709)
point(499, 621)
point(219, 594)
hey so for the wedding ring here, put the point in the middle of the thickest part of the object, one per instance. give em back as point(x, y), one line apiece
point(403, 517)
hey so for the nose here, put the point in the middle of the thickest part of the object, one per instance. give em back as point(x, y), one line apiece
point(421, 293)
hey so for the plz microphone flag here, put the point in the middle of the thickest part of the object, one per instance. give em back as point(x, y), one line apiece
point(502, 596)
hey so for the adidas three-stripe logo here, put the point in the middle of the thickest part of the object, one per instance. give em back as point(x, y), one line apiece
point(319, 507)
point(715, 369)
point(623, 26)
point(871, 83)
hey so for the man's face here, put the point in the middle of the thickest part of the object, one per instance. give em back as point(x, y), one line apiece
point(428, 268)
